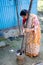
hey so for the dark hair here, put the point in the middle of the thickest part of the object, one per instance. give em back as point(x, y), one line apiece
point(23, 12)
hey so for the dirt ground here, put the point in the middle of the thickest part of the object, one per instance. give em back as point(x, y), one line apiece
point(8, 53)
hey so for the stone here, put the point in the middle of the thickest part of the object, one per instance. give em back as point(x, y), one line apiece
point(2, 43)
point(39, 63)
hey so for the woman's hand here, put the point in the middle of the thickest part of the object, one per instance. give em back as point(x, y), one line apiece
point(26, 30)
point(29, 30)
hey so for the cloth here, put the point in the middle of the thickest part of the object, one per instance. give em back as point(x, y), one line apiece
point(24, 21)
point(33, 38)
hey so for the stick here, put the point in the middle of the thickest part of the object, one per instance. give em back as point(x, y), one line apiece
point(29, 10)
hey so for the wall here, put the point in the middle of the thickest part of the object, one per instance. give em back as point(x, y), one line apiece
point(8, 16)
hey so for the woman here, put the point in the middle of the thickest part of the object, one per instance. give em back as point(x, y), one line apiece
point(33, 33)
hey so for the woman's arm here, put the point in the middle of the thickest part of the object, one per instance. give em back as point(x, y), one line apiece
point(29, 30)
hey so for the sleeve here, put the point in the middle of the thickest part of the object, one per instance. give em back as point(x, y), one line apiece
point(35, 23)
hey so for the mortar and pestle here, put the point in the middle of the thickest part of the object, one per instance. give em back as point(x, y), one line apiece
point(20, 57)
point(20, 54)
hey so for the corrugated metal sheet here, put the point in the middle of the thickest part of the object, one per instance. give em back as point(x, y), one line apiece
point(8, 16)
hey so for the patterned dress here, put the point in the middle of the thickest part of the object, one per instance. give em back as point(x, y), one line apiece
point(33, 37)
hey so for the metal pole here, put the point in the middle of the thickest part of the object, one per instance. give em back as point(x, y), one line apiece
point(18, 16)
